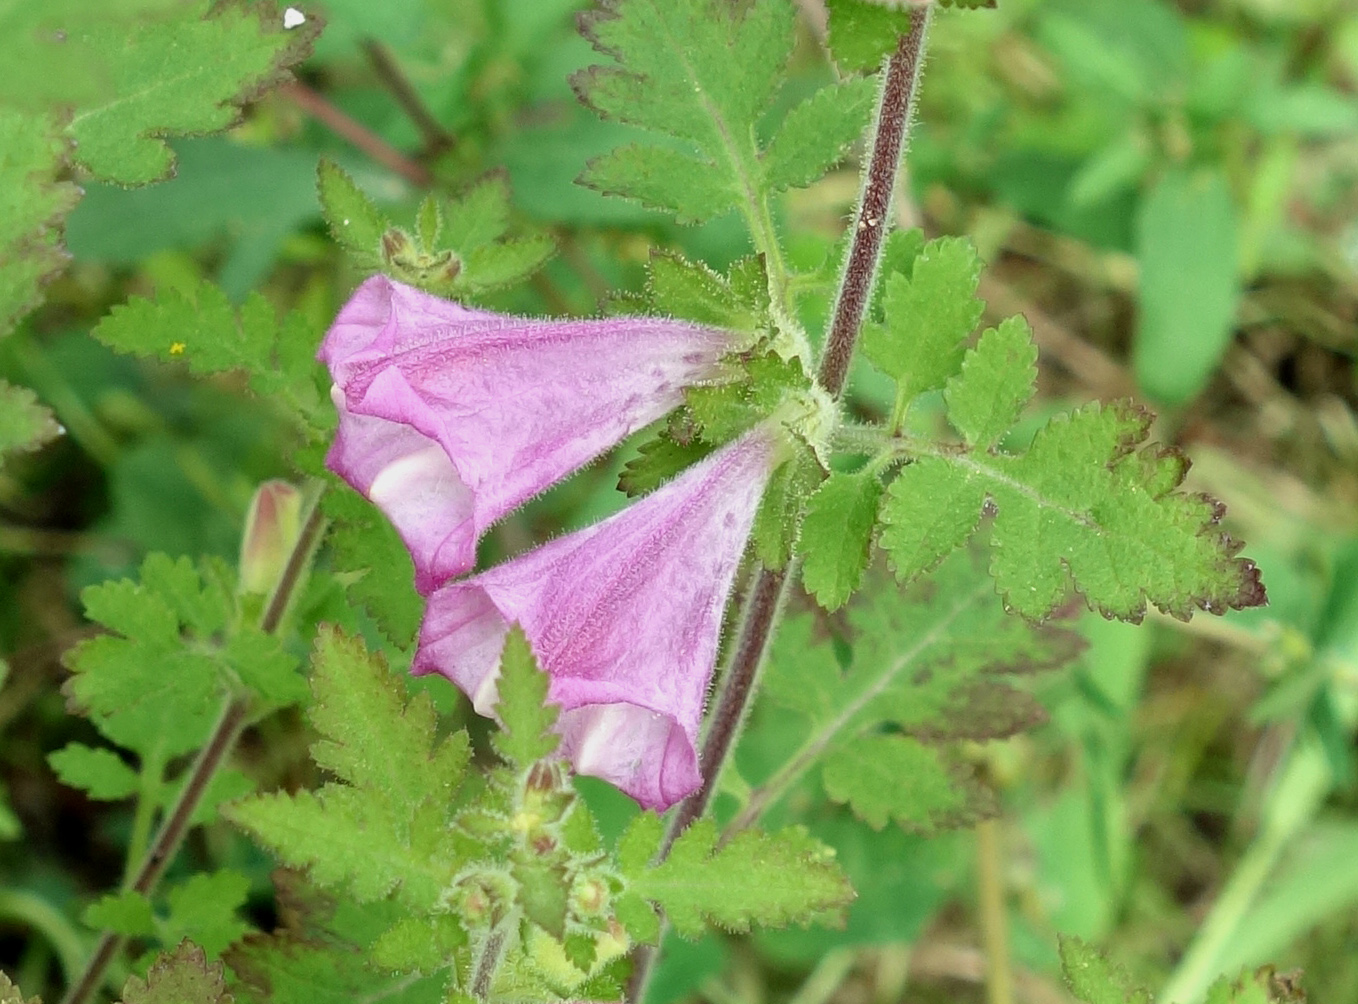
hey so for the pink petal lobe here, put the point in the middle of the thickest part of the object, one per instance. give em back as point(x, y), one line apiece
point(513, 404)
point(625, 616)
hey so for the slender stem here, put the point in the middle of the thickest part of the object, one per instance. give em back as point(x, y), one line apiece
point(234, 716)
point(315, 104)
point(999, 975)
point(492, 953)
point(148, 801)
point(762, 608)
point(895, 108)
point(436, 138)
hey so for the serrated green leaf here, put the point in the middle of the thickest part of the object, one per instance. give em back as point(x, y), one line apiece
point(24, 424)
point(372, 735)
point(770, 880)
point(836, 536)
point(354, 220)
point(33, 203)
point(677, 287)
point(367, 547)
point(816, 134)
point(661, 178)
point(386, 827)
point(203, 910)
point(926, 317)
point(998, 377)
point(127, 913)
point(659, 459)
point(201, 328)
point(176, 76)
point(724, 410)
point(862, 33)
point(262, 664)
point(494, 266)
point(526, 719)
point(929, 512)
point(183, 976)
point(895, 777)
point(1187, 239)
point(1087, 503)
point(639, 843)
point(98, 772)
point(423, 945)
point(1094, 980)
point(779, 519)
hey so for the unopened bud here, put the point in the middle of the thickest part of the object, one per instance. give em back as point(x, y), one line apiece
point(271, 530)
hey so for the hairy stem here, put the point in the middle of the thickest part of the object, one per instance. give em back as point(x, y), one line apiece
point(234, 716)
point(895, 108)
point(765, 602)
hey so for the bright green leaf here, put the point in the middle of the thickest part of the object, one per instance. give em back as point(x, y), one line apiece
point(24, 424)
point(817, 132)
point(354, 220)
point(767, 879)
point(1094, 980)
point(836, 536)
point(126, 913)
point(927, 316)
point(863, 33)
point(998, 377)
point(895, 777)
point(203, 910)
point(99, 772)
point(526, 719)
point(183, 976)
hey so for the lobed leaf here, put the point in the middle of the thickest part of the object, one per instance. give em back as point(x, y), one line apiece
point(703, 72)
point(1094, 980)
point(998, 377)
point(835, 540)
point(927, 316)
point(97, 771)
point(758, 878)
point(179, 977)
point(127, 913)
point(24, 424)
point(526, 719)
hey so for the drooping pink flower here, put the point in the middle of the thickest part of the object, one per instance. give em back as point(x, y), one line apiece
point(624, 616)
point(452, 417)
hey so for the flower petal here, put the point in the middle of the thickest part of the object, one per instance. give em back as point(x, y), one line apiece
point(624, 616)
point(514, 404)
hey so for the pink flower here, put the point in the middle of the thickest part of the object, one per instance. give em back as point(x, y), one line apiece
point(452, 417)
point(625, 616)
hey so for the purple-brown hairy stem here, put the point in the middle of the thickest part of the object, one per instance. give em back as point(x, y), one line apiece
point(235, 714)
point(895, 108)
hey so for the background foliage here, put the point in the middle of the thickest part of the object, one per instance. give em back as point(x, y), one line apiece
point(1165, 190)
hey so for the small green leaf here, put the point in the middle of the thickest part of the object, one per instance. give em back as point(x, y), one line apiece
point(930, 510)
point(99, 772)
point(429, 221)
point(998, 377)
point(423, 945)
point(127, 913)
point(927, 317)
point(836, 536)
point(724, 410)
point(367, 547)
point(662, 179)
point(896, 777)
point(1187, 247)
point(659, 459)
point(526, 719)
point(863, 33)
point(183, 976)
point(677, 287)
point(203, 910)
point(24, 424)
point(816, 134)
point(180, 75)
point(767, 879)
point(1094, 980)
point(354, 220)
point(779, 519)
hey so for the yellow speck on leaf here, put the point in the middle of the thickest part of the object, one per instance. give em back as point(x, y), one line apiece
point(177, 348)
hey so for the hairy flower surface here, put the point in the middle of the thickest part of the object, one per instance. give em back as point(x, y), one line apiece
point(452, 417)
point(624, 616)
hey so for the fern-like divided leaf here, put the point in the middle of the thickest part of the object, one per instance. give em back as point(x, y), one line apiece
point(24, 424)
point(703, 72)
point(383, 826)
point(1089, 503)
point(1092, 979)
point(758, 878)
point(927, 668)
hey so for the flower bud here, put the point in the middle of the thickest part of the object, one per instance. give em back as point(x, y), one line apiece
point(272, 527)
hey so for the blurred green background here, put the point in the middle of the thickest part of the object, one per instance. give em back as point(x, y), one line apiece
point(1168, 190)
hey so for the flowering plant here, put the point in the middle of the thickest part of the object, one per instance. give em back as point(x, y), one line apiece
point(835, 501)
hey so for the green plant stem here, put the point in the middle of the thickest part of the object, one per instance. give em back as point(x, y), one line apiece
point(37, 913)
point(767, 594)
point(1297, 795)
point(234, 716)
point(148, 801)
point(999, 974)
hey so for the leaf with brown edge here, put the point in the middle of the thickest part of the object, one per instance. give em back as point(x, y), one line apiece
point(183, 976)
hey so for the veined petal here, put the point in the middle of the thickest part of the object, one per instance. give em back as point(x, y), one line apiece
point(513, 404)
point(624, 616)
